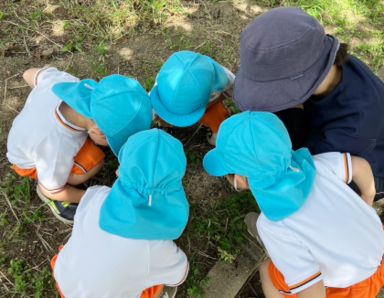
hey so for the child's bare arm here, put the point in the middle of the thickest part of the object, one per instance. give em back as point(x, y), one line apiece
point(68, 194)
point(315, 291)
point(29, 76)
point(363, 177)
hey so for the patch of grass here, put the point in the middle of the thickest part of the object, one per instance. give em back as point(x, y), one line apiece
point(18, 191)
point(223, 230)
point(358, 22)
point(3, 15)
point(109, 20)
point(27, 281)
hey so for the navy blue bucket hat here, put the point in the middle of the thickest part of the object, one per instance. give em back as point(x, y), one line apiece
point(284, 56)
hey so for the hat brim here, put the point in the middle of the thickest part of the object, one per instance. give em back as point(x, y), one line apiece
point(121, 215)
point(274, 96)
point(76, 95)
point(214, 164)
point(180, 120)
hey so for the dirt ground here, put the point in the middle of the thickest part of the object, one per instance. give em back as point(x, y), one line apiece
point(29, 234)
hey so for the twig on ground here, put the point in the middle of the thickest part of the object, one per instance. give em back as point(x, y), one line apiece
point(200, 45)
point(6, 86)
point(18, 87)
point(10, 206)
point(35, 31)
point(6, 278)
point(192, 136)
point(226, 224)
point(26, 46)
point(46, 245)
point(203, 254)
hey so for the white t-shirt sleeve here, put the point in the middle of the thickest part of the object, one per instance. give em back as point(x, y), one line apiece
point(168, 264)
point(289, 255)
point(339, 164)
point(47, 77)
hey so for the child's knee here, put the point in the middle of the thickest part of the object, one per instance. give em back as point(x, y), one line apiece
point(264, 270)
point(76, 178)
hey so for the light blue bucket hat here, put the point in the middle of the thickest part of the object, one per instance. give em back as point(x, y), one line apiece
point(119, 105)
point(257, 145)
point(184, 86)
point(148, 201)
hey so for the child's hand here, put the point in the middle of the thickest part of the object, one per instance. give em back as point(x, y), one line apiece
point(160, 122)
point(97, 136)
point(211, 138)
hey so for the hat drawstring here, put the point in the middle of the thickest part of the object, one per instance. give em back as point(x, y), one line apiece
point(294, 169)
point(150, 200)
point(88, 86)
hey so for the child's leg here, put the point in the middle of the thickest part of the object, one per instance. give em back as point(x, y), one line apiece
point(88, 163)
point(269, 289)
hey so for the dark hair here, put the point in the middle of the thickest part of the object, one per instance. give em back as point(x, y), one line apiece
point(341, 55)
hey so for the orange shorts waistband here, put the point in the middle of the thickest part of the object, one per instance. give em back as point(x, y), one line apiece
point(368, 288)
point(89, 156)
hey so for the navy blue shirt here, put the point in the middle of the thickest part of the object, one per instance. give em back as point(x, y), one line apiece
point(350, 118)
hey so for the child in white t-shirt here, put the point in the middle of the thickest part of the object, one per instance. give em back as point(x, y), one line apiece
point(48, 140)
point(189, 89)
point(323, 240)
point(121, 243)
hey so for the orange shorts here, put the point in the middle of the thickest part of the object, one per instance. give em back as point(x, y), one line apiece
point(368, 288)
point(153, 292)
point(89, 156)
point(214, 115)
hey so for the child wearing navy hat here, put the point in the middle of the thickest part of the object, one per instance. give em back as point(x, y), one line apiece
point(329, 100)
point(122, 239)
point(52, 139)
point(323, 240)
point(189, 89)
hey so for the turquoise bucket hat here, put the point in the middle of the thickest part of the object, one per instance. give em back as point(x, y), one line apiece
point(119, 105)
point(184, 86)
point(257, 145)
point(148, 201)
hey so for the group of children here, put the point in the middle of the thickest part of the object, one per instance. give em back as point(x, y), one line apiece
point(322, 236)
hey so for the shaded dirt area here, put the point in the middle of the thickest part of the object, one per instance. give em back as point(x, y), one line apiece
point(30, 235)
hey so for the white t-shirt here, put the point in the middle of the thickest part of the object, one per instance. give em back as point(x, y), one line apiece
point(95, 264)
point(335, 237)
point(41, 138)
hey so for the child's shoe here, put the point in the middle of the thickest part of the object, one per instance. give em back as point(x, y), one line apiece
point(169, 292)
point(63, 211)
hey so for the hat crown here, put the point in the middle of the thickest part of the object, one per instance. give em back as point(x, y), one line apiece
point(255, 145)
point(185, 82)
point(116, 100)
point(281, 43)
point(153, 162)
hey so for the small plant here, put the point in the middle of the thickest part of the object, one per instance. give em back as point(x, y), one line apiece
point(42, 280)
point(102, 49)
point(16, 271)
point(3, 15)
